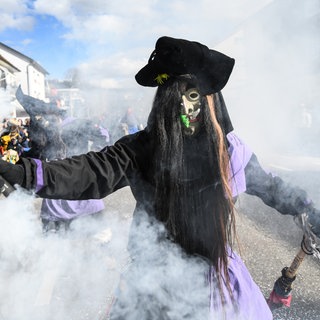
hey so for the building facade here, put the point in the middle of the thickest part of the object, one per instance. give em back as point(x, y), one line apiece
point(18, 69)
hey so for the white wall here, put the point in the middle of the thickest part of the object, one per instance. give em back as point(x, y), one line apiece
point(32, 81)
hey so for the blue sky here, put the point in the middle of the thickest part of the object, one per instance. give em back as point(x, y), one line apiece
point(44, 44)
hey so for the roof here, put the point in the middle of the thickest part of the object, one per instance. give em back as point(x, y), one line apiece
point(35, 64)
point(5, 63)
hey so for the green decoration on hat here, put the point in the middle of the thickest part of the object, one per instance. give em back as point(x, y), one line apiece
point(160, 77)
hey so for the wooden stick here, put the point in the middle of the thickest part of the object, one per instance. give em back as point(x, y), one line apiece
point(293, 269)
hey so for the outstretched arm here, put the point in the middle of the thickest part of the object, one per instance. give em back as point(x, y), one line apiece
point(273, 191)
point(278, 194)
point(88, 176)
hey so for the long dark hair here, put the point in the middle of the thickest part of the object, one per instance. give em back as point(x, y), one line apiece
point(193, 197)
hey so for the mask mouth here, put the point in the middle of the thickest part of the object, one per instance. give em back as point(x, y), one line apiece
point(188, 119)
point(194, 117)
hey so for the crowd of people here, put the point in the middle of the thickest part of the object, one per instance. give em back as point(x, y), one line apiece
point(15, 139)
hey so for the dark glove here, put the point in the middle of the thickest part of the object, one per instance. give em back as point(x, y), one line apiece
point(13, 173)
point(5, 187)
point(314, 221)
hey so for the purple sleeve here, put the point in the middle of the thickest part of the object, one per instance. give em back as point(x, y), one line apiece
point(240, 155)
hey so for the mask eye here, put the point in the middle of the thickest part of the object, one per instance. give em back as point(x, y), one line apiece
point(193, 95)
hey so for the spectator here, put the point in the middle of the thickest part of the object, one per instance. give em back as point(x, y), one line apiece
point(129, 122)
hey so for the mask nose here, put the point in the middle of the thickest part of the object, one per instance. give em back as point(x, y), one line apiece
point(187, 105)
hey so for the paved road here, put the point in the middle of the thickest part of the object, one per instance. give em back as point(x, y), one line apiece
point(74, 276)
point(271, 240)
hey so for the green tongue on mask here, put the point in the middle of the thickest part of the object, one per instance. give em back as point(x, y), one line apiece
point(185, 120)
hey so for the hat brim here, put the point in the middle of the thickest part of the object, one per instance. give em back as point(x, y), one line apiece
point(147, 75)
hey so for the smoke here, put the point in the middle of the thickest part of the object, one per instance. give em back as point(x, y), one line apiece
point(161, 280)
point(5, 104)
point(38, 271)
point(76, 275)
point(60, 275)
point(273, 87)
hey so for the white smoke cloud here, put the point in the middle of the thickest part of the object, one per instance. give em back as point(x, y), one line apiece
point(6, 106)
point(75, 275)
point(55, 276)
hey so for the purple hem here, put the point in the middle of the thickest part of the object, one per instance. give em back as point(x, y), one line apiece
point(54, 209)
point(250, 302)
point(39, 174)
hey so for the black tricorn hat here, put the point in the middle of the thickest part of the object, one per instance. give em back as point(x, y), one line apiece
point(175, 57)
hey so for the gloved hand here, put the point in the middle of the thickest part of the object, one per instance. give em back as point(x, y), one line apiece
point(13, 173)
point(314, 220)
point(5, 187)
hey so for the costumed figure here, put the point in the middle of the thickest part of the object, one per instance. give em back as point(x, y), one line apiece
point(49, 141)
point(185, 170)
point(82, 135)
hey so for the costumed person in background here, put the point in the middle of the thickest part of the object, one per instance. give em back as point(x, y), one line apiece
point(82, 135)
point(129, 122)
point(185, 170)
point(49, 141)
